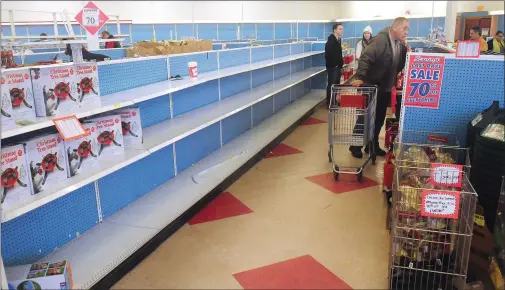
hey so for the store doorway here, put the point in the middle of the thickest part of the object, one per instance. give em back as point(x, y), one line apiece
point(483, 22)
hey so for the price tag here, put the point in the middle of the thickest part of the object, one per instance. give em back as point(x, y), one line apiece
point(440, 204)
point(479, 220)
point(446, 174)
point(438, 139)
point(70, 128)
point(90, 16)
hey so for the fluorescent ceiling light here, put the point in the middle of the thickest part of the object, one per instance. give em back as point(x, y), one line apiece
point(496, 12)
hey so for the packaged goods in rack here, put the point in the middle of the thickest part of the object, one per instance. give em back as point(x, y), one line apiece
point(16, 182)
point(131, 125)
point(55, 90)
point(7, 116)
point(17, 85)
point(57, 275)
point(47, 161)
point(82, 153)
point(88, 89)
point(433, 208)
point(110, 135)
point(150, 48)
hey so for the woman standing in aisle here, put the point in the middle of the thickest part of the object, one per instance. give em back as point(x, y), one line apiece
point(367, 36)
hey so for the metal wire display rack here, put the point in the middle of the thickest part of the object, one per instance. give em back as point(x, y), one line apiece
point(429, 249)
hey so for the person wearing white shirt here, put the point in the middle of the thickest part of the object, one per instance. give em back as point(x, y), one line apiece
point(367, 35)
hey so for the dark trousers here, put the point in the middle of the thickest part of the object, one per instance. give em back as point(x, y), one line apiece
point(398, 106)
point(333, 79)
point(383, 100)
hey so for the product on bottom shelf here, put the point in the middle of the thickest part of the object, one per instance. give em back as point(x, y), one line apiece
point(39, 276)
point(17, 85)
point(55, 90)
point(16, 182)
point(7, 117)
point(131, 125)
point(82, 153)
point(47, 161)
point(110, 138)
point(88, 89)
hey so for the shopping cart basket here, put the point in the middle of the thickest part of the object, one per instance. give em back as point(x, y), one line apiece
point(351, 122)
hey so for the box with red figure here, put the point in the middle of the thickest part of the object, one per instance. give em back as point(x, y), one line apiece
point(46, 158)
point(16, 182)
point(55, 90)
point(389, 169)
point(131, 125)
point(110, 135)
point(88, 89)
point(82, 153)
point(17, 86)
point(392, 126)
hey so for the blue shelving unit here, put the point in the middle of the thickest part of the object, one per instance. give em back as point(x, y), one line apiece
point(188, 127)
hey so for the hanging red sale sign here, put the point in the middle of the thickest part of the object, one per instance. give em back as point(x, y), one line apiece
point(424, 81)
point(91, 18)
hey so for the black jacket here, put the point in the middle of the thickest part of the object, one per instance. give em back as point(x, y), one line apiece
point(375, 65)
point(333, 53)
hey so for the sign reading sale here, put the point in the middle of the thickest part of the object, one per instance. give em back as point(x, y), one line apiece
point(424, 81)
point(91, 18)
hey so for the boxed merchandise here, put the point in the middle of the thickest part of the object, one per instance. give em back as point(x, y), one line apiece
point(110, 135)
point(17, 84)
point(7, 117)
point(150, 48)
point(41, 276)
point(55, 90)
point(47, 160)
point(88, 89)
point(16, 181)
point(82, 153)
point(131, 125)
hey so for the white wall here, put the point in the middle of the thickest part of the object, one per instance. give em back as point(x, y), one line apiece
point(181, 11)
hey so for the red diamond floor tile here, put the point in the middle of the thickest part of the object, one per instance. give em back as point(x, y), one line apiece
point(303, 272)
point(346, 182)
point(224, 206)
point(312, 121)
point(282, 150)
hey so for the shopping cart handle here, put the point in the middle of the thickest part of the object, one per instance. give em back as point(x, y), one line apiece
point(364, 85)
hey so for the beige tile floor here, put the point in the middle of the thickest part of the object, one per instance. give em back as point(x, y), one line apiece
point(291, 217)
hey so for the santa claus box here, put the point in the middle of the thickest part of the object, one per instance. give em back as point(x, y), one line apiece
point(17, 86)
point(88, 90)
point(55, 90)
point(110, 135)
point(131, 126)
point(82, 153)
point(16, 182)
point(46, 158)
point(7, 116)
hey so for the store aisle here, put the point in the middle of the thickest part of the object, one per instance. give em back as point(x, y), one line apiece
point(284, 224)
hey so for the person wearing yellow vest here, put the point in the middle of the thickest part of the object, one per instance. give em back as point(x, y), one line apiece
point(497, 44)
point(476, 34)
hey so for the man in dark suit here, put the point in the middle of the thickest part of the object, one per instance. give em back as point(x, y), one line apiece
point(333, 57)
point(379, 64)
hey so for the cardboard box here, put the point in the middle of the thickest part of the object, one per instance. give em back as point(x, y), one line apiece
point(6, 116)
point(131, 125)
point(88, 87)
point(110, 138)
point(45, 155)
point(148, 48)
point(15, 177)
point(55, 90)
point(16, 83)
point(41, 276)
point(82, 153)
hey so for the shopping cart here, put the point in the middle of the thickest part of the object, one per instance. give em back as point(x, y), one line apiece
point(351, 122)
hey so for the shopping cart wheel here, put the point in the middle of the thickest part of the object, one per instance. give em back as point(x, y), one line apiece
point(335, 173)
point(360, 174)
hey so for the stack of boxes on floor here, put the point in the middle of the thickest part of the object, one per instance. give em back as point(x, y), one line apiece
point(36, 164)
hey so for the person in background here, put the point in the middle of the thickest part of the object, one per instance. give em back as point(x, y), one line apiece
point(86, 55)
point(333, 57)
point(367, 35)
point(112, 44)
point(476, 34)
point(379, 64)
point(497, 44)
point(43, 37)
